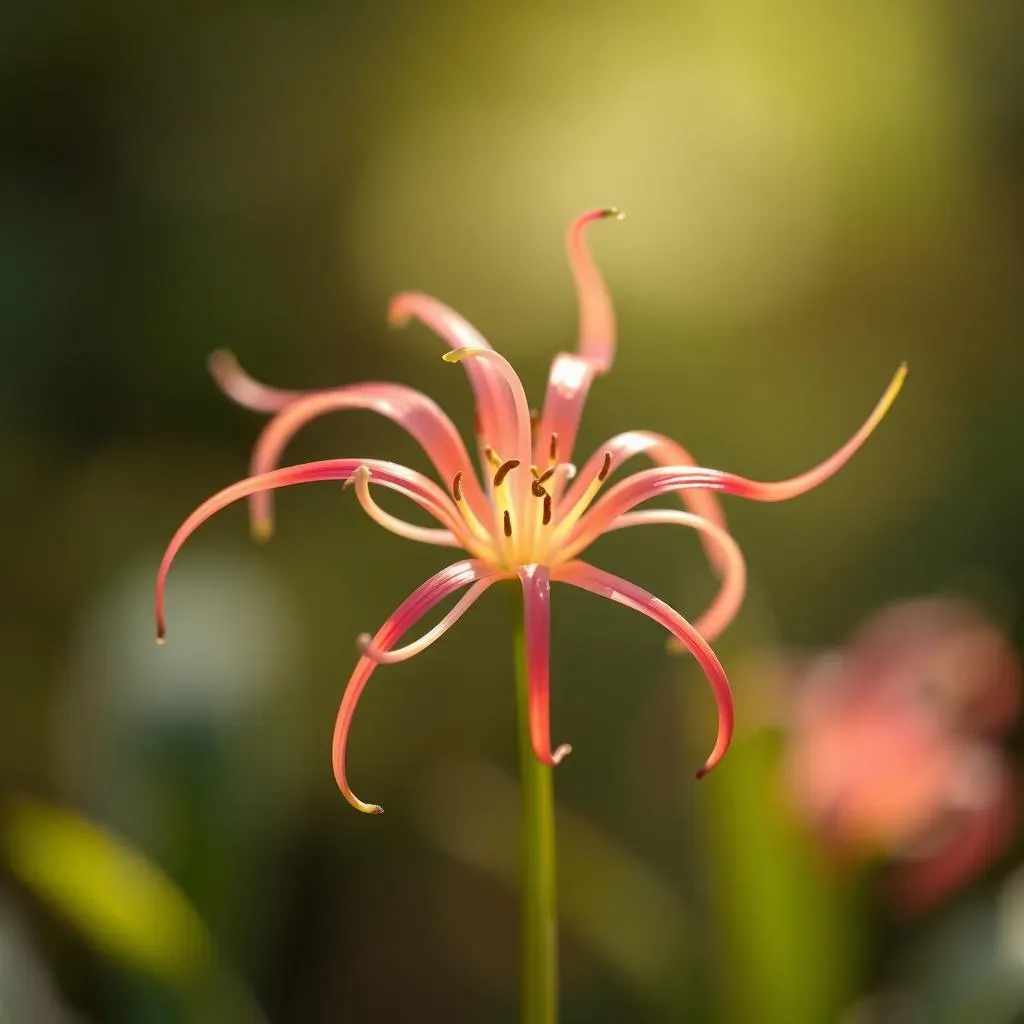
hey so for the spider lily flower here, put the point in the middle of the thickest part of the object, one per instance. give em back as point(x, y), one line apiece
point(893, 745)
point(529, 515)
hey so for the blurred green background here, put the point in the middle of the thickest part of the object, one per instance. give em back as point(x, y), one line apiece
point(814, 192)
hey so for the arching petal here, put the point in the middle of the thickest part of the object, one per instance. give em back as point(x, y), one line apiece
point(732, 565)
point(572, 375)
point(652, 483)
point(245, 390)
point(392, 657)
point(411, 531)
point(663, 451)
point(387, 474)
point(419, 415)
point(604, 584)
point(405, 616)
point(495, 410)
point(537, 623)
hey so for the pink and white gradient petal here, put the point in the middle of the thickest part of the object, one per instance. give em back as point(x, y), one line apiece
point(494, 407)
point(604, 584)
point(663, 451)
point(397, 478)
point(536, 583)
point(733, 568)
point(406, 615)
point(571, 375)
point(246, 391)
point(652, 483)
point(392, 657)
point(419, 415)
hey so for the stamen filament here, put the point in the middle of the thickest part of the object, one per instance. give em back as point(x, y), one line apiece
point(396, 654)
point(422, 534)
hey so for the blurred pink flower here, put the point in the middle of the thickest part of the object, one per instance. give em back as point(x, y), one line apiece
point(531, 515)
point(893, 746)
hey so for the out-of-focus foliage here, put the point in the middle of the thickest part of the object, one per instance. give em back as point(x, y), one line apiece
point(815, 193)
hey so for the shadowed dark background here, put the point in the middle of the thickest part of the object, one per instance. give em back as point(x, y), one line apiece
point(814, 194)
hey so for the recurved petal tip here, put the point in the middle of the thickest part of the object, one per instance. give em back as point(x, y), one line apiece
point(261, 529)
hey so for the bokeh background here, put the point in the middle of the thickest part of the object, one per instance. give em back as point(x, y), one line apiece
point(814, 192)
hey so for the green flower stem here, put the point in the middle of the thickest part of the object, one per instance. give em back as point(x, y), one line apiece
point(540, 918)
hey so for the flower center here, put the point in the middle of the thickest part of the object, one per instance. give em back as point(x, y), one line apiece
point(527, 525)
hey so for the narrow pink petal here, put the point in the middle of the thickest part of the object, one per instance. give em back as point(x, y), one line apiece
point(405, 616)
point(494, 408)
point(652, 483)
point(519, 430)
point(537, 621)
point(365, 642)
point(571, 375)
point(407, 482)
point(604, 584)
point(246, 390)
point(732, 566)
point(410, 409)
point(568, 385)
point(663, 451)
point(597, 318)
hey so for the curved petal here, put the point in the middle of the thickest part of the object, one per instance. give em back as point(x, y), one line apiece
point(419, 415)
point(572, 375)
point(651, 483)
point(494, 407)
point(405, 616)
point(392, 657)
point(663, 451)
point(604, 584)
point(396, 478)
point(568, 386)
point(536, 584)
point(420, 534)
point(245, 390)
point(733, 567)
point(597, 318)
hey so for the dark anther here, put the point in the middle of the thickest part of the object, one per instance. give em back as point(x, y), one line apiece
point(503, 471)
point(508, 524)
point(457, 486)
point(547, 509)
point(606, 466)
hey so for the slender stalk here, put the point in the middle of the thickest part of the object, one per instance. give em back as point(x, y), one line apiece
point(539, 916)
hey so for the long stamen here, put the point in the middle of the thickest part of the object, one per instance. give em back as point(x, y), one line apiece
point(474, 524)
point(423, 534)
point(396, 654)
point(588, 495)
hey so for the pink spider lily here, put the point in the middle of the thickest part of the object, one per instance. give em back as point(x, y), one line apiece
point(530, 515)
point(894, 745)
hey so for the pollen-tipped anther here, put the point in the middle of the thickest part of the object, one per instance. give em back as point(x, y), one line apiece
point(553, 449)
point(547, 510)
point(503, 471)
point(606, 467)
point(457, 486)
point(507, 523)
